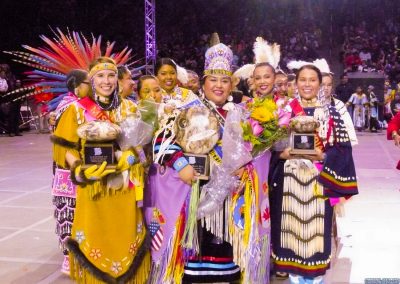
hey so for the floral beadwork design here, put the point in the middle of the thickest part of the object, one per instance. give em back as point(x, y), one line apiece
point(139, 227)
point(80, 236)
point(134, 246)
point(116, 267)
point(95, 253)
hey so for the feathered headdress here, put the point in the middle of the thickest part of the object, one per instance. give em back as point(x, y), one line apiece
point(60, 55)
point(263, 52)
point(181, 73)
point(321, 64)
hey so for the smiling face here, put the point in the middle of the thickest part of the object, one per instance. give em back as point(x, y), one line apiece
point(126, 84)
point(263, 77)
point(308, 84)
point(194, 83)
point(84, 88)
point(327, 85)
point(281, 84)
point(151, 89)
point(217, 88)
point(105, 82)
point(167, 77)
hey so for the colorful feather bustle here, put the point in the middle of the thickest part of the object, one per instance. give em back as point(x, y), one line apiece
point(54, 60)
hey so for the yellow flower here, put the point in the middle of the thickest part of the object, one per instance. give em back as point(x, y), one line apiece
point(263, 110)
point(262, 114)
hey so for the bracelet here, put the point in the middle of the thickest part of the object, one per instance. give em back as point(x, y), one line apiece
point(131, 160)
point(180, 164)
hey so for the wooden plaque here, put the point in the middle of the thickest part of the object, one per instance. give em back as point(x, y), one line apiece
point(302, 143)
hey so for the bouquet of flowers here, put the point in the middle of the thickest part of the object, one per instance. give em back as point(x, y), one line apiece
point(261, 128)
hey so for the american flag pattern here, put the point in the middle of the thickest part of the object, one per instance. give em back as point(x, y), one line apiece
point(156, 234)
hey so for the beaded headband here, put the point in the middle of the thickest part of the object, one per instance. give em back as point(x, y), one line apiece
point(103, 66)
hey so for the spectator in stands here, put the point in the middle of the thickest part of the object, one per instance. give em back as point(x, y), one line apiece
point(3, 82)
point(365, 55)
point(4, 107)
point(13, 118)
point(359, 101)
point(373, 109)
point(388, 95)
point(344, 90)
point(352, 61)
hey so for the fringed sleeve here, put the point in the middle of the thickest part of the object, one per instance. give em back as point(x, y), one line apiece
point(65, 138)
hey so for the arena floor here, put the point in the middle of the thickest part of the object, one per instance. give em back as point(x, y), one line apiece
point(369, 231)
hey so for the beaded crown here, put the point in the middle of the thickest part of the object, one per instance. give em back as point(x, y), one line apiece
point(218, 59)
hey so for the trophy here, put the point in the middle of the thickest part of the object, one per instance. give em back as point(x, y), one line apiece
point(197, 131)
point(302, 135)
point(100, 139)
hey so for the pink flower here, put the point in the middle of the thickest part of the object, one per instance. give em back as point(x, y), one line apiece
point(248, 146)
point(283, 117)
point(255, 127)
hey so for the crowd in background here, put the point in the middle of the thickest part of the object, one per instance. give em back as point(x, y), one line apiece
point(368, 49)
point(367, 39)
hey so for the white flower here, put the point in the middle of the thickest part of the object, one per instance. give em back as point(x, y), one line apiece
point(80, 236)
point(139, 227)
point(116, 267)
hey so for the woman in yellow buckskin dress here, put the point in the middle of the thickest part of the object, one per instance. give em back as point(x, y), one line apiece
point(109, 239)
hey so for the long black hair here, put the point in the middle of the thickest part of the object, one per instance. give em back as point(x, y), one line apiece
point(312, 67)
point(164, 61)
point(74, 78)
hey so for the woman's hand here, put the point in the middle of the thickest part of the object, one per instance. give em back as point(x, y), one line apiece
point(320, 156)
point(187, 174)
point(285, 154)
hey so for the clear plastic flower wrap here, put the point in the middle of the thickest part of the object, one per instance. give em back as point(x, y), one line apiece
point(138, 130)
point(222, 179)
point(149, 111)
point(233, 143)
point(222, 182)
